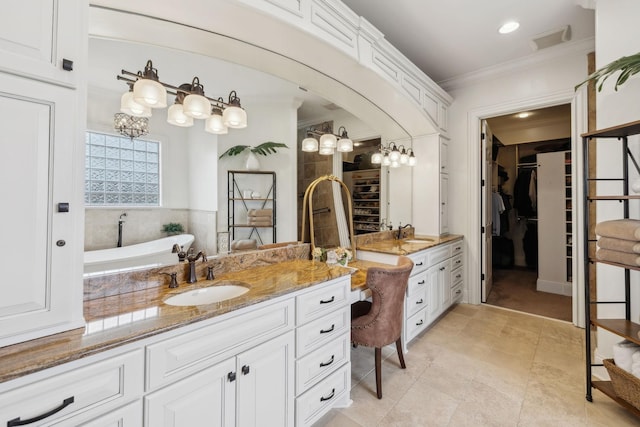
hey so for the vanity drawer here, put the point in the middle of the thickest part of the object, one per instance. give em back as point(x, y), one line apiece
point(456, 261)
point(105, 384)
point(416, 324)
point(456, 275)
point(439, 254)
point(190, 352)
point(314, 304)
point(321, 398)
point(417, 301)
point(456, 292)
point(457, 248)
point(316, 365)
point(420, 261)
point(321, 331)
point(417, 283)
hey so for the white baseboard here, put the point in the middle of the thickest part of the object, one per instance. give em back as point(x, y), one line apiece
point(560, 288)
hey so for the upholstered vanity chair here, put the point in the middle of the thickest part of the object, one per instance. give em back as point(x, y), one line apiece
point(379, 322)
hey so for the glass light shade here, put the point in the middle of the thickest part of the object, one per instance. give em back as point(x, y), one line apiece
point(215, 125)
point(345, 145)
point(196, 106)
point(149, 93)
point(176, 116)
point(412, 160)
point(129, 106)
point(327, 151)
point(385, 160)
point(376, 158)
point(394, 164)
point(404, 158)
point(394, 155)
point(328, 140)
point(310, 145)
point(234, 117)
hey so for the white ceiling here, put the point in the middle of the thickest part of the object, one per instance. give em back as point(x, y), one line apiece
point(451, 38)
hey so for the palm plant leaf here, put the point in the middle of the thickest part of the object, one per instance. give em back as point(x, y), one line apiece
point(268, 147)
point(627, 65)
point(234, 151)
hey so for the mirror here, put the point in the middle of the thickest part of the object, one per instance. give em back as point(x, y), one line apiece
point(190, 165)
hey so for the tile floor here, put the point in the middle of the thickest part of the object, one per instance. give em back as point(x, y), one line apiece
point(480, 366)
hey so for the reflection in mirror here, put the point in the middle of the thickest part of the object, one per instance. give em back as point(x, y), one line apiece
point(193, 179)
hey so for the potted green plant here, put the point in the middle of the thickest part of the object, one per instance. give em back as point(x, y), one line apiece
point(172, 228)
point(626, 65)
point(263, 149)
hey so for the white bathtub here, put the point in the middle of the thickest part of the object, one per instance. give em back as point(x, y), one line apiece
point(154, 253)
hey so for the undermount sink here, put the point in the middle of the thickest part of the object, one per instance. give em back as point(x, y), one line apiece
point(208, 295)
point(418, 240)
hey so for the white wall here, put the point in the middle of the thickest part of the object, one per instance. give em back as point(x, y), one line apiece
point(544, 79)
point(617, 34)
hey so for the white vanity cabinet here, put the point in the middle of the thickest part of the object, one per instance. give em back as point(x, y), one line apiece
point(436, 282)
point(41, 165)
point(431, 185)
point(323, 358)
point(87, 391)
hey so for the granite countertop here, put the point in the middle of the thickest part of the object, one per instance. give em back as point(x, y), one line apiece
point(117, 320)
point(407, 245)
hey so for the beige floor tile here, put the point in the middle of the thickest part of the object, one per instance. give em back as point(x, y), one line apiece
point(481, 366)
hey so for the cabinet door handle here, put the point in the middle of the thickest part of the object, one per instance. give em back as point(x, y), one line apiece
point(18, 422)
point(419, 263)
point(333, 298)
point(324, 399)
point(420, 322)
point(442, 268)
point(326, 331)
point(420, 301)
point(245, 369)
point(231, 376)
point(421, 282)
point(323, 364)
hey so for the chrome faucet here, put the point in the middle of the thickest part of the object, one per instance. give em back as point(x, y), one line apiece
point(120, 224)
point(400, 227)
point(192, 258)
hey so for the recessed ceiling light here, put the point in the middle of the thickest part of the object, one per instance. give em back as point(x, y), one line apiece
point(523, 115)
point(509, 27)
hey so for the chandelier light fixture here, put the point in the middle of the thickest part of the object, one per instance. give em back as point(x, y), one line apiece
point(130, 126)
point(394, 156)
point(327, 142)
point(147, 92)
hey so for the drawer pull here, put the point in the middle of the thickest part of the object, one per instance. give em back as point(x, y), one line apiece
point(323, 364)
point(421, 282)
point(326, 331)
point(442, 268)
point(245, 369)
point(458, 261)
point(333, 298)
point(17, 422)
point(420, 322)
point(458, 276)
point(459, 291)
point(420, 301)
point(324, 399)
point(419, 263)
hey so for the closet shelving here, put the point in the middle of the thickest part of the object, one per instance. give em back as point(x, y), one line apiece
point(622, 327)
point(568, 210)
point(366, 201)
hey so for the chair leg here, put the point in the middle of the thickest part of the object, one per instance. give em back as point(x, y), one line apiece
point(379, 372)
point(400, 355)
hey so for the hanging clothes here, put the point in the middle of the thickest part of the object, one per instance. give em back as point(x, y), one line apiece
point(525, 193)
point(497, 208)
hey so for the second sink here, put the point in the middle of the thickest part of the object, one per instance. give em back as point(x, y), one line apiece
point(418, 240)
point(208, 295)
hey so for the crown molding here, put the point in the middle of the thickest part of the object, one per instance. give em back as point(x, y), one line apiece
point(570, 48)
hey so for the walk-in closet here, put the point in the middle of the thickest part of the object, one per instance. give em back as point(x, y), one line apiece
point(531, 213)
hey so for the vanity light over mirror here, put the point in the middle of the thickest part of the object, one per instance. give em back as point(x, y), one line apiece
point(193, 181)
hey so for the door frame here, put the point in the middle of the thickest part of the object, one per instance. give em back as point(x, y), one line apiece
point(578, 101)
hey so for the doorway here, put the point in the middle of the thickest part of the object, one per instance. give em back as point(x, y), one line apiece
point(527, 212)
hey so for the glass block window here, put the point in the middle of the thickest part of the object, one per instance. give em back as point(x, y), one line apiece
point(120, 171)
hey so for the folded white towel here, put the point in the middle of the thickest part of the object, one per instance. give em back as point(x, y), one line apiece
point(623, 354)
